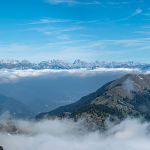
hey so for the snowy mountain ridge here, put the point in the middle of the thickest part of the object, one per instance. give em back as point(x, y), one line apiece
point(77, 64)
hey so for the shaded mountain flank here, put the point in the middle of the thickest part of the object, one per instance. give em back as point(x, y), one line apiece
point(128, 96)
point(13, 107)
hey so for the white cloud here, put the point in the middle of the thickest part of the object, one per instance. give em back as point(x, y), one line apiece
point(130, 43)
point(48, 21)
point(67, 135)
point(137, 12)
point(61, 1)
point(74, 2)
point(89, 2)
point(118, 2)
point(143, 32)
point(56, 31)
point(15, 75)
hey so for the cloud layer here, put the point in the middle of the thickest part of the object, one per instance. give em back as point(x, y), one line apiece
point(58, 135)
point(14, 75)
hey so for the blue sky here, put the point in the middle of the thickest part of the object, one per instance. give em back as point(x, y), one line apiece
point(110, 30)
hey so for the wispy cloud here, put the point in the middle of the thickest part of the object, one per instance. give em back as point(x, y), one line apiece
point(143, 32)
point(74, 2)
point(117, 2)
point(123, 43)
point(61, 1)
point(90, 2)
point(57, 31)
point(48, 21)
point(114, 3)
point(70, 49)
point(137, 12)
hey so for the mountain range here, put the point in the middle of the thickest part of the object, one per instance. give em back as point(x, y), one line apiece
point(128, 96)
point(77, 64)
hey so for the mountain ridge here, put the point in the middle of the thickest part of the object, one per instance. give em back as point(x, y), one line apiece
point(128, 96)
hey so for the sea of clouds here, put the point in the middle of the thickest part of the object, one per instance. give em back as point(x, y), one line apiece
point(130, 134)
point(12, 75)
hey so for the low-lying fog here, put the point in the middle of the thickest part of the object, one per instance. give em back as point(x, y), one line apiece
point(67, 135)
point(48, 89)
